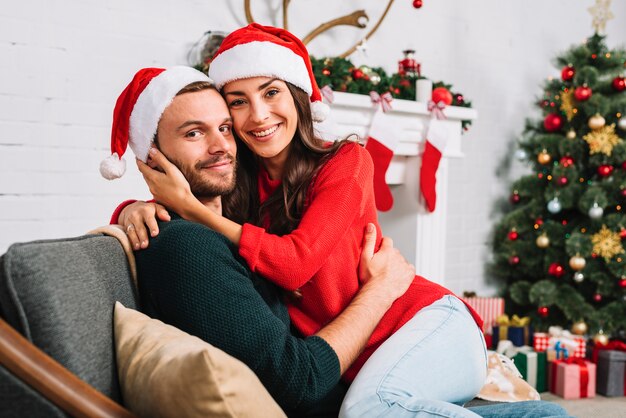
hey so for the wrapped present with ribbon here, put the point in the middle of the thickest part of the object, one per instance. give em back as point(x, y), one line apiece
point(573, 378)
point(611, 361)
point(531, 365)
point(575, 344)
point(489, 310)
point(517, 330)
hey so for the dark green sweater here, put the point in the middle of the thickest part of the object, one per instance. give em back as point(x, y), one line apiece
point(193, 278)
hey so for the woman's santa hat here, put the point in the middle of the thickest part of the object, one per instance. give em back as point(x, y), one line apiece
point(257, 50)
point(138, 111)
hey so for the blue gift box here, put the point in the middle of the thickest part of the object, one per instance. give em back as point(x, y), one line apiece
point(519, 336)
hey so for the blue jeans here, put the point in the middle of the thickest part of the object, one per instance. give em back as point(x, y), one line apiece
point(430, 367)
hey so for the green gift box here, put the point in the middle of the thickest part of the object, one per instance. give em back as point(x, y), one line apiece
point(532, 366)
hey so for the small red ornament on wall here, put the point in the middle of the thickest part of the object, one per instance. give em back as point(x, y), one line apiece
point(408, 65)
point(418, 4)
point(553, 122)
point(567, 73)
point(442, 94)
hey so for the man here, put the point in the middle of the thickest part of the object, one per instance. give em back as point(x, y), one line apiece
point(193, 278)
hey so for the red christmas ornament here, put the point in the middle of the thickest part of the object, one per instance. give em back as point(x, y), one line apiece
point(513, 235)
point(418, 4)
point(409, 65)
point(623, 192)
point(622, 282)
point(326, 71)
point(582, 93)
point(553, 122)
point(442, 94)
point(597, 297)
point(539, 221)
point(605, 170)
point(514, 260)
point(567, 73)
point(622, 233)
point(543, 311)
point(624, 165)
point(515, 198)
point(562, 181)
point(566, 161)
point(357, 74)
point(556, 270)
point(459, 99)
point(619, 83)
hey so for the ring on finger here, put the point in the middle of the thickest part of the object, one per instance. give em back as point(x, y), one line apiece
point(129, 228)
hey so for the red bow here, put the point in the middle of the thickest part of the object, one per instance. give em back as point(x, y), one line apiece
point(328, 93)
point(384, 100)
point(436, 109)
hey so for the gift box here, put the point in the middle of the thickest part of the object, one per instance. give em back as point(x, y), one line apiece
point(516, 329)
point(532, 366)
point(612, 373)
point(573, 378)
point(489, 310)
point(575, 344)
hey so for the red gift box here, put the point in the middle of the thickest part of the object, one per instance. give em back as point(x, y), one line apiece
point(489, 310)
point(576, 345)
point(573, 378)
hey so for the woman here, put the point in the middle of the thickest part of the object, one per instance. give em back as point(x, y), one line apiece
point(298, 215)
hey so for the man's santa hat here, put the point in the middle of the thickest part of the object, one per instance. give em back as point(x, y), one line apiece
point(256, 50)
point(138, 111)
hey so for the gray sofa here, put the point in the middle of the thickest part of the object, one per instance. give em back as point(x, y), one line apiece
point(59, 295)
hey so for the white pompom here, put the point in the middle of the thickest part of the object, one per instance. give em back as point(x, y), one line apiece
point(319, 111)
point(112, 167)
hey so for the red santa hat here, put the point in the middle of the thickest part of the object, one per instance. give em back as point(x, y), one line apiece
point(257, 50)
point(138, 111)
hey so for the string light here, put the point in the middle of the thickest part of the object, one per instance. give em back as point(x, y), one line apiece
point(608, 55)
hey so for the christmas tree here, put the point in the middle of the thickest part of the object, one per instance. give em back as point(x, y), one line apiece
point(559, 249)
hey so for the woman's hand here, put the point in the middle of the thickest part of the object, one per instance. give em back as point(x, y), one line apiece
point(168, 186)
point(139, 217)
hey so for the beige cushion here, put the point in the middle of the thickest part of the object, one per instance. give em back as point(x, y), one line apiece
point(165, 372)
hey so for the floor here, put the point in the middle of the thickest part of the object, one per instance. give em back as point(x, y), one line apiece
point(598, 407)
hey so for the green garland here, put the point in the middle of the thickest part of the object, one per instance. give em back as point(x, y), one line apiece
point(339, 74)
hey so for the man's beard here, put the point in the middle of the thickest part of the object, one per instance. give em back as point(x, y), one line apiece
point(206, 184)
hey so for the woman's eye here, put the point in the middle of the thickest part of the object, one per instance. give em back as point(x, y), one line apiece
point(272, 92)
point(236, 102)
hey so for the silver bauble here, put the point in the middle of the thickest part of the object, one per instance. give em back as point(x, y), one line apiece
point(374, 78)
point(579, 277)
point(621, 123)
point(521, 155)
point(596, 211)
point(554, 206)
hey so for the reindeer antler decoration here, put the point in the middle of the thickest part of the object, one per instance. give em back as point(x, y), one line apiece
point(357, 19)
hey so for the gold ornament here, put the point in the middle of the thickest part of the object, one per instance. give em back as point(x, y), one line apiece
point(542, 241)
point(567, 104)
point(577, 262)
point(571, 134)
point(601, 13)
point(544, 158)
point(579, 328)
point(596, 121)
point(607, 243)
point(601, 338)
point(602, 140)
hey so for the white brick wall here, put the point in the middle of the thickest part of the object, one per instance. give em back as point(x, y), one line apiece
point(63, 63)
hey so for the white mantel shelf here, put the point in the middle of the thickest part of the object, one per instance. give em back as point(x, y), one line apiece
point(419, 234)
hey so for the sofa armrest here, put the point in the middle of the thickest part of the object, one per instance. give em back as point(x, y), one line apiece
point(52, 380)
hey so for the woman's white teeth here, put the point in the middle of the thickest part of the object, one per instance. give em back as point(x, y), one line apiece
point(265, 132)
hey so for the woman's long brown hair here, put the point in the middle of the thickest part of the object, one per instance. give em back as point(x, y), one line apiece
point(307, 153)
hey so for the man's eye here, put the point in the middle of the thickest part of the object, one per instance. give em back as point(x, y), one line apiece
point(225, 129)
point(193, 134)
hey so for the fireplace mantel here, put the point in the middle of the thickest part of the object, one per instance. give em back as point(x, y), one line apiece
point(419, 234)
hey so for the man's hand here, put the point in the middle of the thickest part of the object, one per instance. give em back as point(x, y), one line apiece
point(139, 217)
point(386, 272)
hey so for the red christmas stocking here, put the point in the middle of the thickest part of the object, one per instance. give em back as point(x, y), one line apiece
point(436, 140)
point(381, 143)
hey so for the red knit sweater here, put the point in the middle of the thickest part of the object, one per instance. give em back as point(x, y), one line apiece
point(321, 256)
